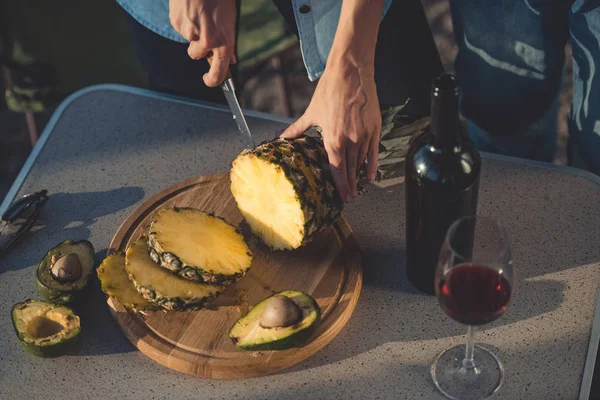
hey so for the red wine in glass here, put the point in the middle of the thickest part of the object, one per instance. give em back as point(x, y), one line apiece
point(474, 284)
point(474, 294)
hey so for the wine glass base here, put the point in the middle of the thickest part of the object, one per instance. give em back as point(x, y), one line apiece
point(460, 383)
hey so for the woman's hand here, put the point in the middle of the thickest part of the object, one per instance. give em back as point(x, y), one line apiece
point(346, 107)
point(345, 103)
point(209, 25)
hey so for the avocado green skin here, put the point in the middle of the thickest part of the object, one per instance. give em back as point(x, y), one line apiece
point(297, 339)
point(68, 346)
point(57, 296)
point(53, 295)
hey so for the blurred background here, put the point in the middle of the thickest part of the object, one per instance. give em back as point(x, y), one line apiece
point(52, 36)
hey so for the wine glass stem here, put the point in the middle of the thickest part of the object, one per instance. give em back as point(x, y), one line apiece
point(468, 363)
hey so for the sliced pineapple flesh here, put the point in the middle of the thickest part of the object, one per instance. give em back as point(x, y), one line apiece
point(268, 201)
point(115, 283)
point(200, 240)
point(162, 286)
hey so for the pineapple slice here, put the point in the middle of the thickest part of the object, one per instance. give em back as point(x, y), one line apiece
point(285, 191)
point(115, 283)
point(162, 287)
point(198, 246)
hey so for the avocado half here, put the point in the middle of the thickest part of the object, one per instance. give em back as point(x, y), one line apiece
point(46, 329)
point(249, 333)
point(62, 291)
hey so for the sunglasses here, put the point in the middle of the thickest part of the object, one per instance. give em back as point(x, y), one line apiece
point(19, 218)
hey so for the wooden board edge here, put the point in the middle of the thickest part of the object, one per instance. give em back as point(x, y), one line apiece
point(151, 345)
point(164, 353)
point(145, 208)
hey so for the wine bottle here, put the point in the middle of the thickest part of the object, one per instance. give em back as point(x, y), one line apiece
point(442, 183)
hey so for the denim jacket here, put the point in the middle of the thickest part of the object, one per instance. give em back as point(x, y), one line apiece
point(316, 27)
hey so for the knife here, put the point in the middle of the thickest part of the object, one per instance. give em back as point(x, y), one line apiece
point(234, 106)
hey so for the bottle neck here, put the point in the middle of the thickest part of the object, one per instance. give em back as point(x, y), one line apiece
point(445, 122)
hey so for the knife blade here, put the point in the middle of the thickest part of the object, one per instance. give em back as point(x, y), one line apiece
point(236, 110)
point(234, 106)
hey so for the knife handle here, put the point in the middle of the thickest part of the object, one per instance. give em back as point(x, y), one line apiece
point(209, 58)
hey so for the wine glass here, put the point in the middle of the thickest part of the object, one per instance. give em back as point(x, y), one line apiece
point(473, 283)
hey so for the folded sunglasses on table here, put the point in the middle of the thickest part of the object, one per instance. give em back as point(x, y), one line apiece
point(19, 218)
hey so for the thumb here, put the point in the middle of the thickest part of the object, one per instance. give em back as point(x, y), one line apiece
point(296, 129)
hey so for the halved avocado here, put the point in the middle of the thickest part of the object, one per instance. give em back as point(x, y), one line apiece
point(65, 270)
point(45, 329)
point(275, 324)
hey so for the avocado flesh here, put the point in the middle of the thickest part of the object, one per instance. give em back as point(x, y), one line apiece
point(45, 329)
point(248, 334)
point(63, 292)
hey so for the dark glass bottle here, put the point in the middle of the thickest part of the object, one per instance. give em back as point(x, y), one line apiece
point(442, 183)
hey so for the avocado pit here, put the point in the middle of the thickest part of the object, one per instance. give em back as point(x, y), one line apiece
point(280, 311)
point(285, 320)
point(67, 268)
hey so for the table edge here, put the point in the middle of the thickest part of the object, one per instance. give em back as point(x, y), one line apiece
point(590, 360)
point(43, 138)
point(26, 168)
point(18, 182)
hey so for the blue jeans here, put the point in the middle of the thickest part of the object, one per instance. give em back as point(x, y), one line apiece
point(510, 64)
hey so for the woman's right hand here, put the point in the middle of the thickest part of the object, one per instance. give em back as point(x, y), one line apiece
point(209, 26)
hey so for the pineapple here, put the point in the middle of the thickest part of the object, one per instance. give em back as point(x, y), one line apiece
point(285, 191)
point(116, 284)
point(160, 286)
point(198, 246)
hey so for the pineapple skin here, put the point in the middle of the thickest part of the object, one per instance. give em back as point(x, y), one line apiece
point(190, 272)
point(305, 164)
point(115, 288)
point(170, 303)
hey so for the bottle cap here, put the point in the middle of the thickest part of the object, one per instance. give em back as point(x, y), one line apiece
point(445, 84)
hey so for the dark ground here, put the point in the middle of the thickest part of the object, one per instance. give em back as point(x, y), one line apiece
point(262, 86)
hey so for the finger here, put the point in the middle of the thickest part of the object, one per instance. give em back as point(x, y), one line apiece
point(362, 157)
point(337, 164)
point(218, 68)
point(189, 31)
point(352, 164)
point(373, 155)
point(362, 153)
point(296, 129)
point(197, 50)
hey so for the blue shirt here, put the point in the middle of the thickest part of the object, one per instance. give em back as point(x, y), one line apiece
point(315, 28)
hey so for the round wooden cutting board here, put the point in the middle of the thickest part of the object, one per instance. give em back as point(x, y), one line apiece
point(197, 343)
